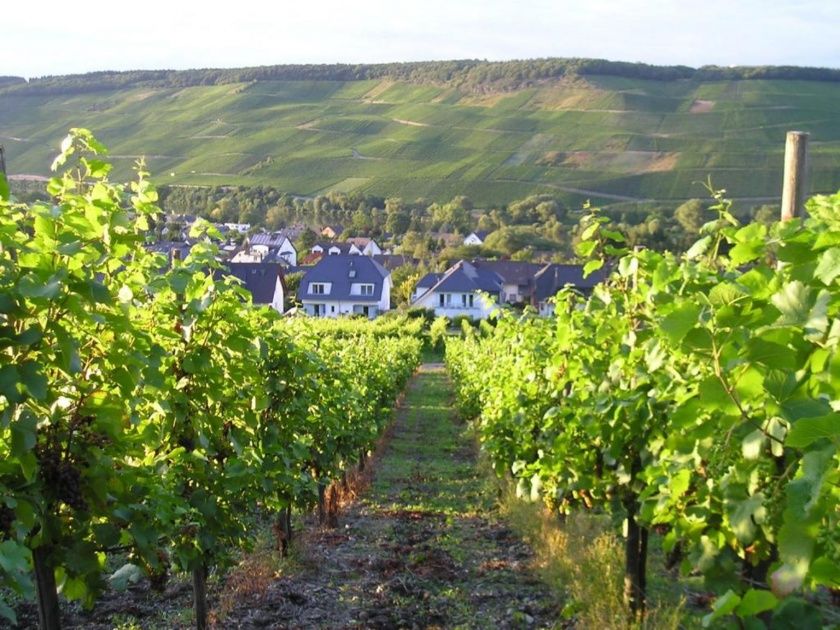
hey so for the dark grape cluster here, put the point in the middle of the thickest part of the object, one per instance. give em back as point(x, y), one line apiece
point(7, 518)
point(62, 477)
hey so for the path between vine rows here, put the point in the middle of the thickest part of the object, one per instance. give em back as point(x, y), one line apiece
point(423, 547)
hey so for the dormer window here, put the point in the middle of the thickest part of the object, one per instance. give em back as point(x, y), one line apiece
point(317, 288)
point(366, 289)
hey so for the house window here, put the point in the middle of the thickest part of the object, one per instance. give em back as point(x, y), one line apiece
point(441, 299)
point(366, 289)
point(317, 288)
point(470, 299)
point(332, 308)
point(463, 299)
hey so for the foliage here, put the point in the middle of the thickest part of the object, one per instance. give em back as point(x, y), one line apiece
point(467, 74)
point(696, 395)
point(148, 407)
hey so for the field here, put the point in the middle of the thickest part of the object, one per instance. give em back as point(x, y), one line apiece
point(610, 139)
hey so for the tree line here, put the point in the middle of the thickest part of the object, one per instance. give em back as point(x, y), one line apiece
point(465, 74)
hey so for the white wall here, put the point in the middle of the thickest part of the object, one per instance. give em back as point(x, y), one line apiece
point(288, 252)
point(472, 239)
point(481, 308)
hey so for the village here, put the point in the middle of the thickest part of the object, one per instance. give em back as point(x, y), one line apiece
point(339, 276)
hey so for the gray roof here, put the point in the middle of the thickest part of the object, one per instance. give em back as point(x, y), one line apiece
point(336, 270)
point(481, 234)
point(166, 247)
point(463, 277)
point(274, 239)
point(516, 272)
point(553, 277)
point(392, 261)
point(259, 278)
point(429, 280)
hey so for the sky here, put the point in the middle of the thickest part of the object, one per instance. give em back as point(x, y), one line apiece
point(50, 37)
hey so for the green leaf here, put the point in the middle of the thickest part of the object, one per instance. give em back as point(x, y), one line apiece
point(9, 378)
point(806, 431)
point(4, 187)
point(126, 575)
point(723, 606)
point(756, 601)
point(23, 434)
point(829, 266)
point(795, 614)
point(592, 266)
point(699, 248)
point(33, 379)
point(826, 572)
point(676, 324)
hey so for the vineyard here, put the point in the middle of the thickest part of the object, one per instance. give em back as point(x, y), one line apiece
point(693, 401)
point(147, 409)
point(150, 415)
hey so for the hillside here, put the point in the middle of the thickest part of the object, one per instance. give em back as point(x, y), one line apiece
point(608, 138)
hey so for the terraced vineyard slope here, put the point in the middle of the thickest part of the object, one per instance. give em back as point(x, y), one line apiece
point(610, 139)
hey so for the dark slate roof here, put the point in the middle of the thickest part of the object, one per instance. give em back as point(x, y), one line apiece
point(463, 277)
point(336, 270)
point(274, 239)
point(481, 234)
point(429, 280)
point(392, 261)
point(553, 277)
point(259, 278)
point(516, 272)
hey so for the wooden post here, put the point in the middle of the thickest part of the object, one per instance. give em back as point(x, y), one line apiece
point(49, 617)
point(2, 160)
point(199, 576)
point(796, 165)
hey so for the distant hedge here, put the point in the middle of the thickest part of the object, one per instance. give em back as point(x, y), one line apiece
point(466, 74)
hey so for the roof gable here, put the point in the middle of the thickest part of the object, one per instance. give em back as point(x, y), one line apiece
point(337, 271)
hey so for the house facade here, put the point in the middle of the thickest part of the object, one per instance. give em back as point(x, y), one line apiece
point(517, 278)
point(476, 238)
point(346, 284)
point(367, 246)
point(463, 289)
point(260, 247)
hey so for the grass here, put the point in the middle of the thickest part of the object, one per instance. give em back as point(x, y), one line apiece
point(437, 143)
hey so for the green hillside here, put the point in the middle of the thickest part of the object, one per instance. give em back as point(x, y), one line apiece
point(607, 138)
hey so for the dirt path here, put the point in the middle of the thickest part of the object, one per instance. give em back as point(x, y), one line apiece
point(422, 548)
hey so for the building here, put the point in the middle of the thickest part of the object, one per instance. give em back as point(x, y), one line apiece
point(346, 284)
point(329, 248)
point(264, 281)
point(553, 277)
point(476, 238)
point(263, 247)
point(463, 289)
point(367, 246)
point(517, 278)
point(332, 231)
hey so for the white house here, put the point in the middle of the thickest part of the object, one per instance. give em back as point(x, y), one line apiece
point(242, 228)
point(463, 289)
point(367, 246)
point(476, 238)
point(335, 249)
point(346, 284)
point(263, 247)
